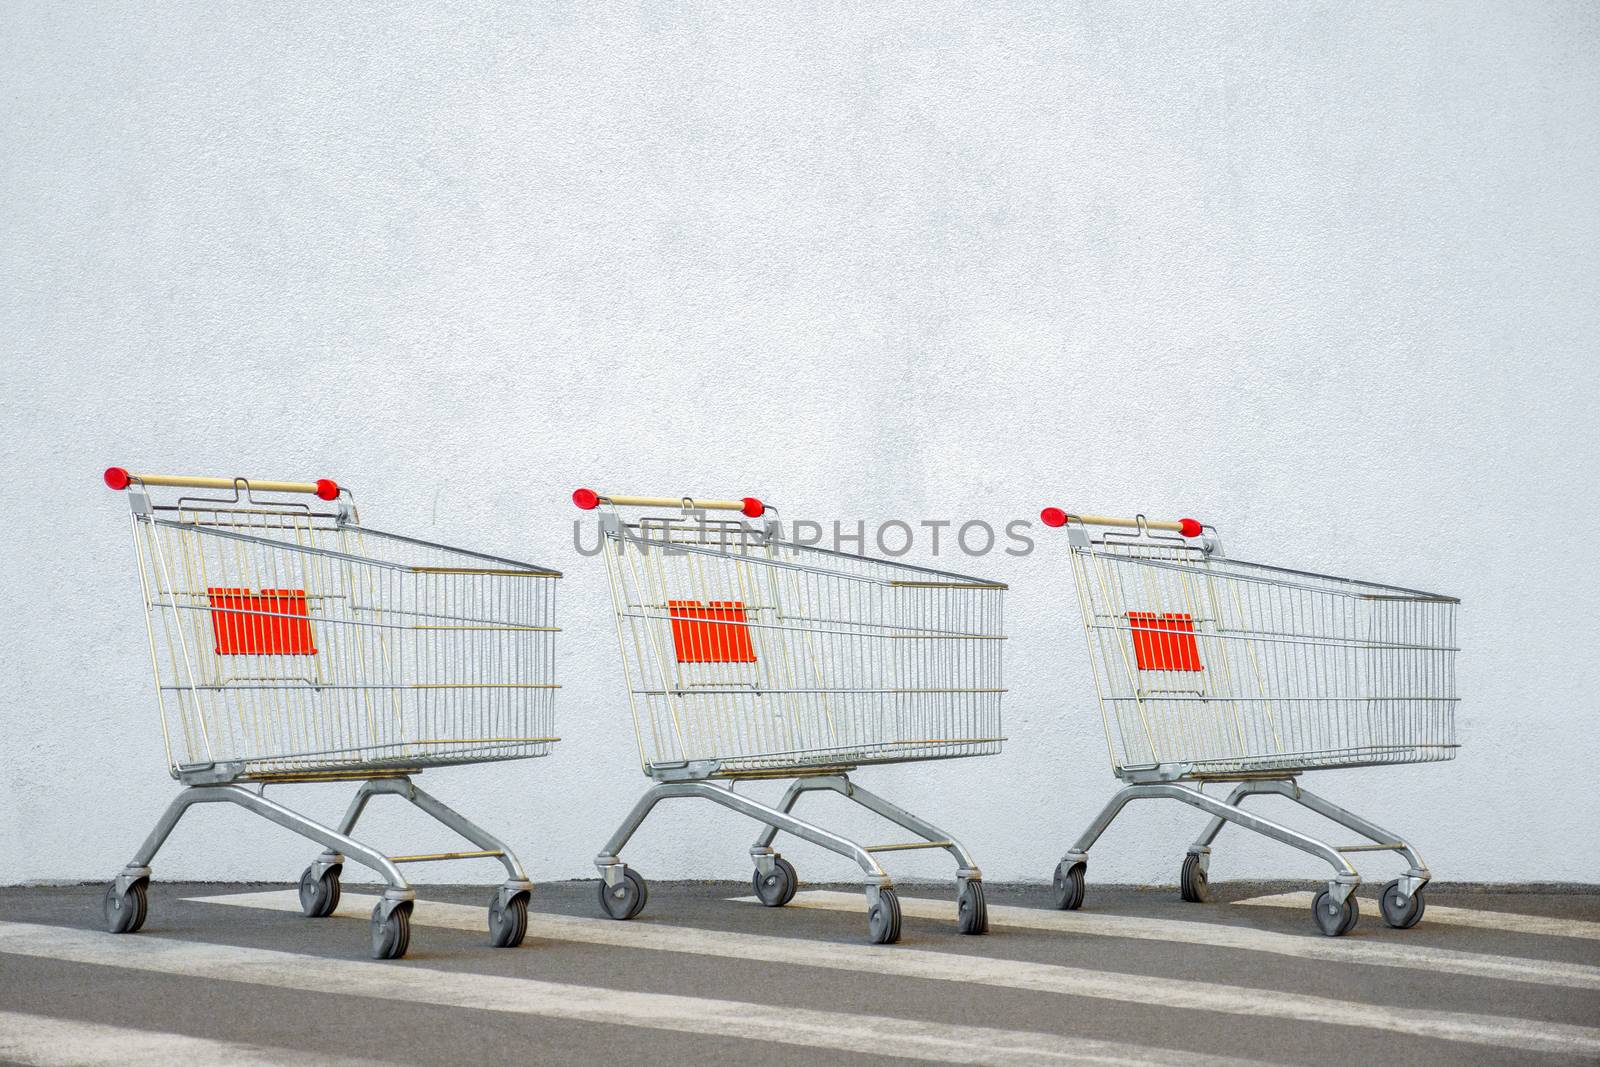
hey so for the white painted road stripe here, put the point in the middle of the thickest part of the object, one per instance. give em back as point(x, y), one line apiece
point(768, 1024)
point(1311, 946)
point(1509, 922)
point(909, 962)
point(42, 1041)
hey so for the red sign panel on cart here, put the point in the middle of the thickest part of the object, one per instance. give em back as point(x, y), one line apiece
point(1164, 642)
point(272, 622)
point(714, 632)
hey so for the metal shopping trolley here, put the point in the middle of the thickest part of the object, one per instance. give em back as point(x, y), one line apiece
point(1210, 669)
point(292, 644)
point(749, 656)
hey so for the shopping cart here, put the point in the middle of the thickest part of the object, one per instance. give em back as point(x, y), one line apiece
point(292, 644)
point(1210, 669)
point(749, 656)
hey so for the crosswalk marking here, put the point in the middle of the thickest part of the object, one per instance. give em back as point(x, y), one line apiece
point(401, 981)
point(1311, 946)
point(905, 961)
point(44, 1041)
point(1443, 915)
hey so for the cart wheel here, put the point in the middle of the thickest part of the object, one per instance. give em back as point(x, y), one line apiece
point(972, 914)
point(1192, 883)
point(508, 921)
point(1354, 914)
point(883, 921)
point(1069, 885)
point(319, 896)
point(124, 912)
point(392, 936)
point(1331, 919)
point(1401, 917)
point(625, 899)
point(776, 888)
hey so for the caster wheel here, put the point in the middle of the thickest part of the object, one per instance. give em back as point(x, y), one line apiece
point(1401, 916)
point(1331, 919)
point(883, 921)
point(972, 914)
point(124, 912)
point(625, 899)
point(392, 936)
point(508, 921)
point(776, 888)
point(1068, 885)
point(319, 896)
point(1192, 884)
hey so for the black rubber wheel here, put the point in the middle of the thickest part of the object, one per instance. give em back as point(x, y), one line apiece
point(124, 912)
point(392, 936)
point(777, 887)
point(972, 914)
point(625, 899)
point(1354, 909)
point(143, 893)
point(1401, 916)
point(883, 919)
point(1331, 919)
point(1192, 883)
point(508, 921)
point(319, 896)
point(1068, 885)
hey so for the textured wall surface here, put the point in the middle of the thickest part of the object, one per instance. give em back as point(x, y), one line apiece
point(1327, 276)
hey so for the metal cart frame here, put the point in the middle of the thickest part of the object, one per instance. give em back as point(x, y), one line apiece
point(686, 759)
point(349, 664)
point(1285, 648)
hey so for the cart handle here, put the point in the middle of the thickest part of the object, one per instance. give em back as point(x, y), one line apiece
point(1057, 517)
point(588, 500)
point(119, 478)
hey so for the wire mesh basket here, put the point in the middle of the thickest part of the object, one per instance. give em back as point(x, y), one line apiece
point(1220, 667)
point(756, 654)
point(292, 640)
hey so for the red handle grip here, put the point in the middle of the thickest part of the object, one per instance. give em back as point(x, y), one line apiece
point(119, 478)
point(1058, 517)
point(588, 500)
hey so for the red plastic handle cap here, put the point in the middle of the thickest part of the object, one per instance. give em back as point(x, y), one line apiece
point(754, 508)
point(116, 478)
point(587, 499)
point(1053, 517)
point(327, 489)
point(1189, 527)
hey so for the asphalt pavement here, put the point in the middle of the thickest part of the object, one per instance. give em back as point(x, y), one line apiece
point(235, 974)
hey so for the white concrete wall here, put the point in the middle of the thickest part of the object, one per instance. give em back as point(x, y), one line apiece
point(1325, 276)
